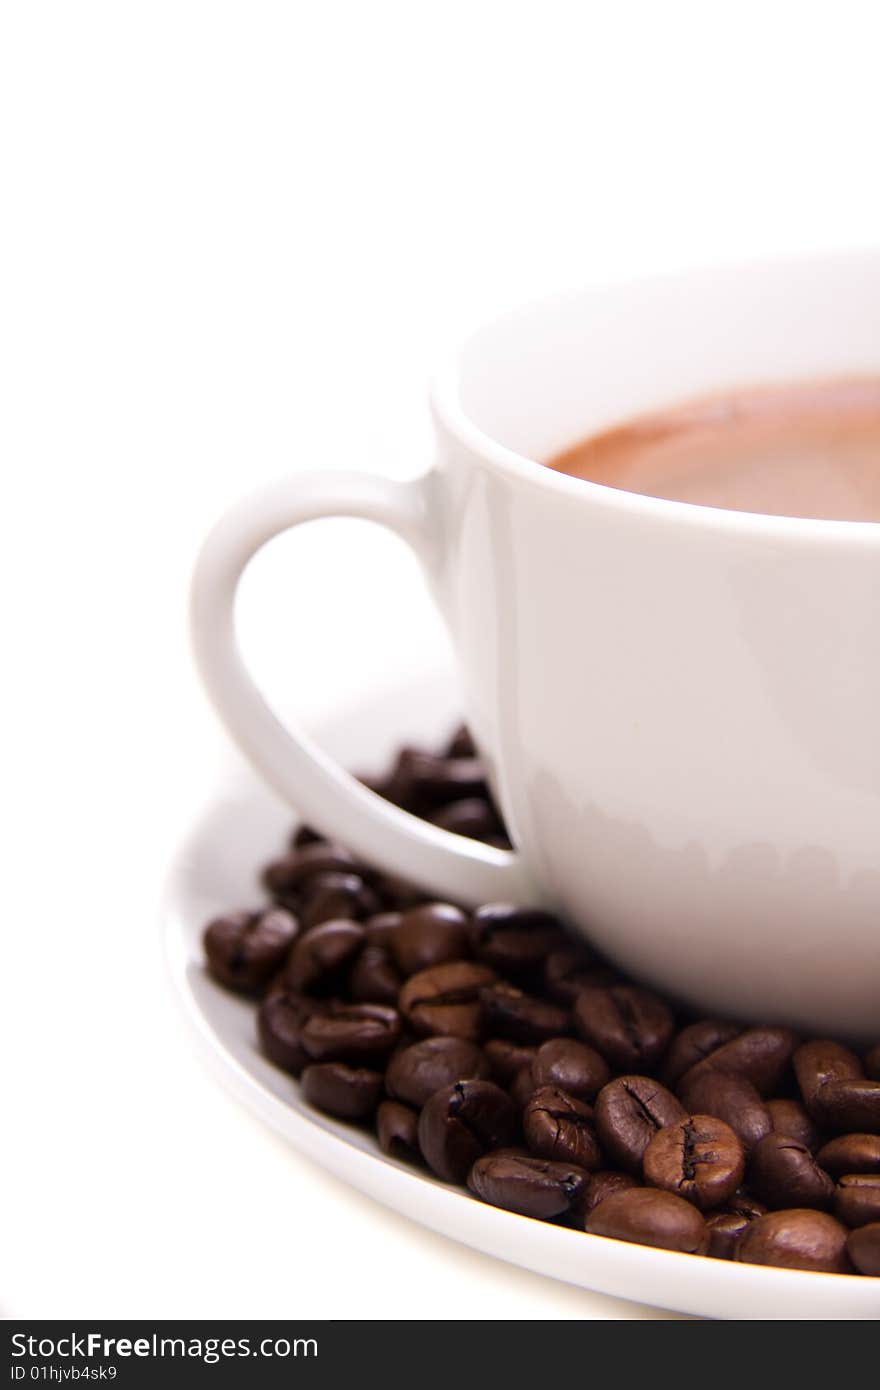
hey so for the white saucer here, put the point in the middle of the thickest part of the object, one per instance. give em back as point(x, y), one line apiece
point(242, 826)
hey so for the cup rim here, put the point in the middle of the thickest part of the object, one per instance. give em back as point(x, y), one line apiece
point(447, 410)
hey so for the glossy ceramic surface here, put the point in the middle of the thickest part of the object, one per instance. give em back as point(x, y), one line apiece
point(678, 704)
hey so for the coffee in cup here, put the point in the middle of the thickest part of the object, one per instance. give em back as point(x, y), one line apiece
point(805, 449)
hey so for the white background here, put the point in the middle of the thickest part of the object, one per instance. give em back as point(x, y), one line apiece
point(233, 237)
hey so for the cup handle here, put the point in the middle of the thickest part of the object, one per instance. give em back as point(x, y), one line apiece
point(323, 793)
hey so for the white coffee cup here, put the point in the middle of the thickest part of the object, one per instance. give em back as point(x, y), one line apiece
point(679, 706)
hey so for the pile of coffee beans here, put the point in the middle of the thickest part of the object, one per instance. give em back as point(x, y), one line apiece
point(497, 1051)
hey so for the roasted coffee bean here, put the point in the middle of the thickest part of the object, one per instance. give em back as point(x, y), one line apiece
point(872, 1063)
point(499, 841)
point(761, 1055)
point(557, 1125)
point(351, 1033)
point(429, 935)
point(817, 1063)
point(379, 785)
point(604, 1184)
point(473, 816)
point(396, 786)
point(349, 1093)
point(374, 978)
point(445, 999)
point(280, 1021)
point(397, 1131)
point(320, 957)
point(522, 1088)
point(397, 893)
point(700, 1159)
point(530, 1186)
point(416, 1072)
point(649, 1216)
point(798, 1238)
point(630, 1110)
point(857, 1199)
point(745, 1204)
point(573, 1065)
point(277, 985)
point(380, 928)
point(629, 1026)
point(421, 782)
point(328, 897)
point(286, 877)
point(460, 745)
point(573, 968)
point(305, 835)
point(515, 941)
point(727, 1225)
point(725, 1230)
point(850, 1153)
point(507, 1058)
point(730, 1097)
point(863, 1248)
point(462, 1122)
point(783, 1172)
point(847, 1106)
point(791, 1118)
point(245, 949)
point(692, 1044)
point(511, 1013)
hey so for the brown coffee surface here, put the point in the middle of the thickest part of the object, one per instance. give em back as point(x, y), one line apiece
point(806, 449)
